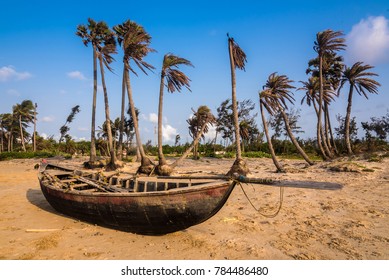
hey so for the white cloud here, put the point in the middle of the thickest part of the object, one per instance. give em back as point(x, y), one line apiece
point(368, 41)
point(210, 136)
point(153, 118)
point(82, 129)
point(168, 133)
point(48, 119)
point(76, 75)
point(8, 73)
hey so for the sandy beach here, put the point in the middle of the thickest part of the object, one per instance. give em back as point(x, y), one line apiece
point(351, 223)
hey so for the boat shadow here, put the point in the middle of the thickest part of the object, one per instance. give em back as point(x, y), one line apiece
point(36, 197)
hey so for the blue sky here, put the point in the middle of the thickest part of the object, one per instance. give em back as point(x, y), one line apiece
point(42, 59)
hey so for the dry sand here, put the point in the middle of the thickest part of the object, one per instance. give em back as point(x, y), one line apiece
point(352, 223)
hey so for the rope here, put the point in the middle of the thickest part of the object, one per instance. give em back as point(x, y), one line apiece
point(258, 210)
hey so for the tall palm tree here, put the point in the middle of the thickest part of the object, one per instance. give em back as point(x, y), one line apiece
point(24, 112)
point(104, 54)
point(175, 80)
point(89, 35)
point(359, 79)
point(332, 71)
point(237, 60)
point(327, 41)
point(135, 42)
point(278, 88)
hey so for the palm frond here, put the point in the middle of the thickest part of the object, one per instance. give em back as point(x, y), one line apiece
point(239, 57)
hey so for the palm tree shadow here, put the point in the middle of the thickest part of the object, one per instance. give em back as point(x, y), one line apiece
point(36, 197)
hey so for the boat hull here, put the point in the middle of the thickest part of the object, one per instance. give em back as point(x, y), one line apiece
point(148, 213)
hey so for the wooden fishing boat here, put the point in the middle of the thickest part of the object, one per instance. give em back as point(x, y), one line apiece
point(144, 205)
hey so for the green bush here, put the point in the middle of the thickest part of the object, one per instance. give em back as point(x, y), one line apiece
point(257, 154)
point(26, 155)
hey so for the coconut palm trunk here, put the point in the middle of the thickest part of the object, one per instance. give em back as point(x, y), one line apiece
point(237, 59)
point(93, 153)
point(112, 164)
point(234, 105)
point(320, 110)
point(293, 139)
point(147, 165)
point(121, 125)
point(332, 140)
point(347, 120)
point(161, 156)
point(21, 133)
point(273, 154)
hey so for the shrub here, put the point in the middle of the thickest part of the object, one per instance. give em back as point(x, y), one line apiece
point(26, 155)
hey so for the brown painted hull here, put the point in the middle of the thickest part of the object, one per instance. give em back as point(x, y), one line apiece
point(149, 213)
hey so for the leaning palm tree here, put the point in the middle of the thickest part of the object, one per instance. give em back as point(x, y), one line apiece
point(89, 35)
point(175, 80)
point(24, 112)
point(135, 42)
point(237, 60)
point(267, 102)
point(327, 41)
point(278, 88)
point(359, 79)
point(198, 126)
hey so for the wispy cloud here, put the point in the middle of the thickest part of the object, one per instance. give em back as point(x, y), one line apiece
point(368, 41)
point(48, 119)
point(8, 73)
point(76, 75)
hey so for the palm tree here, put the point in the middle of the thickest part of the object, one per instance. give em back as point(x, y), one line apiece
point(327, 41)
point(24, 112)
point(64, 129)
point(198, 127)
point(175, 80)
point(89, 35)
point(278, 88)
point(265, 102)
point(7, 124)
point(332, 71)
point(311, 97)
point(237, 60)
point(34, 139)
point(135, 42)
point(104, 54)
point(359, 79)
